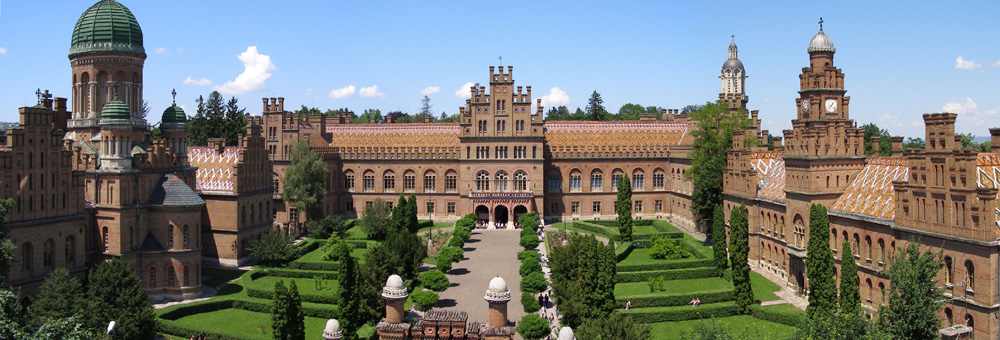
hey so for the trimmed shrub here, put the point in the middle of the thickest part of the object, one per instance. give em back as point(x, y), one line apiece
point(530, 266)
point(453, 254)
point(623, 251)
point(196, 308)
point(456, 242)
point(534, 283)
point(680, 313)
point(318, 266)
point(668, 300)
point(529, 303)
point(434, 280)
point(783, 317)
point(529, 241)
point(667, 249)
point(292, 273)
point(443, 264)
point(424, 300)
point(527, 254)
point(673, 274)
point(664, 265)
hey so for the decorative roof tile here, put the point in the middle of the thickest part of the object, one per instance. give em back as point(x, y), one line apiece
point(871, 191)
point(631, 134)
point(770, 166)
point(989, 174)
point(383, 135)
point(215, 170)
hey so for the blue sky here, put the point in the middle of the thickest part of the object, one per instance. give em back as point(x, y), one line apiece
point(901, 59)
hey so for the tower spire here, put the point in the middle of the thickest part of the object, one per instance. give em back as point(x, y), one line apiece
point(173, 92)
point(821, 24)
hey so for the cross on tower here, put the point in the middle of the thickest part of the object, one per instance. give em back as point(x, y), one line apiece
point(38, 93)
point(46, 95)
point(117, 85)
point(174, 93)
point(733, 36)
point(820, 23)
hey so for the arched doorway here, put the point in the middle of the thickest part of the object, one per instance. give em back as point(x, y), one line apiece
point(500, 214)
point(482, 216)
point(801, 282)
point(518, 211)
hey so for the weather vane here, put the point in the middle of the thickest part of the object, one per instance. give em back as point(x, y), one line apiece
point(820, 23)
point(174, 93)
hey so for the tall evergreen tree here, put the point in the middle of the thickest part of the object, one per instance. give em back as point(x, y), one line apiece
point(401, 214)
point(61, 296)
point(349, 294)
point(583, 274)
point(850, 299)
point(425, 107)
point(380, 263)
point(623, 206)
point(719, 240)
point(235, 122)
point(595, 107)
point(819, 264)
point(914, 296)
point(279, 312)
point(739, 249)
point(115, 294)
point(296, 326)
point(411, 210)
point(376, 220)
point(305, 179)
point(713, 136)
point(6, 246)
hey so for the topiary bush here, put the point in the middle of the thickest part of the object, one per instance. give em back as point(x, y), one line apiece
point(529, 303)
point(529, 241)
point(444, 264)
point(534, 283)
point(424, 300)
point(453, 254)
point(434, 280)
point(667, 249)
point(530, 266)
point(527, 254)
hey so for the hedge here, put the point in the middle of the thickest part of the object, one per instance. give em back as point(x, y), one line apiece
point(697, 250)
point(318, 266)
point(665, 265)
point(623, 251)
point(424, 224)
point(293, 273)
point(326, 312)
point(681, 313)
point(782, 317)
point(673, 274)
point(524, 254)
point(667, 300)
point(177, 329)
point(614, 223)
point(196, 308)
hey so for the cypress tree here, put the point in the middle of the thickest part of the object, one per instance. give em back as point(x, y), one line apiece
point(719, 239)
point(296, 326)
point(850, 299)
point(411, 207)
point(350, 297)
point(819, 264)
point(401, 214)
point(739, 248)
point(279, 311)
point(623, 206)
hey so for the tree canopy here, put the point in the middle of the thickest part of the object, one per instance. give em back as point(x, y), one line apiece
point(623, 207)
point(115, 293)
point(583, 273)
point(305, 180)
point(739, 249)
point(884, 143)
point(914, 296)
point(850, 298)
point(217, 118)
point(708, 159)
point(595, 107)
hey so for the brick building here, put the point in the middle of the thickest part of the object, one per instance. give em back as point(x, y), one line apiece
point(943, 197)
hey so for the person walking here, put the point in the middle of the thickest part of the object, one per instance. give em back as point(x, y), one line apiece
point(628, 304)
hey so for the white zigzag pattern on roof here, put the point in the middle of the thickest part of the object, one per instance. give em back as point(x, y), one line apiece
point(215, 170)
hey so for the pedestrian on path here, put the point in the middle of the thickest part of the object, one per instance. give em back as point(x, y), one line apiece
point(628, 304)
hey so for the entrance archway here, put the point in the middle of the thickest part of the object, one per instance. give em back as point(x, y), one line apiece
point(801, 282)
point(500, 214)
point(518, 211)
point(482, 215)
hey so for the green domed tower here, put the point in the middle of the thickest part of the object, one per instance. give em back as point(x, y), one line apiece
point(105, 50)
point(174, 127)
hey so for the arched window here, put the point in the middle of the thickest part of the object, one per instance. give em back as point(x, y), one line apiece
point(881, 250)
point(49, 252)
point(450, 181)
point(26, 258)
point(596, 180)
point(152, 277)
point(555, 181)
point(430, 181)
point(170, 235)
point(70, 250)
point(501, 181)
point(857, 245)
point(868, 243)
point(638, 179)
point(969, 321)
point(970, 275)
point(409, 181)
point(389, 181)
point(482, 181)
point(949, 270)
point(833, 240)
point(369, 181)
point(949, 316)
point(881, 293)
point(658, 179)
point(575, 181)
point(185, 235)
point(171, 277)
point(520, 181)
point(870, 295)
point(348, 180)
point(104, 237)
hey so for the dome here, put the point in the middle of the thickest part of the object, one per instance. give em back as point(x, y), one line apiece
point(566, 334)
point(174, 114)
point(332, 330)
point(115, 109)
point(497, 291)
point(394, 288)
point(734, 64)
point(821, 43)
point(394, 282)
point(107, 26)
point(498, 285)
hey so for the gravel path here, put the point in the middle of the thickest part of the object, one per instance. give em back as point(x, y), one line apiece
point(487, 254)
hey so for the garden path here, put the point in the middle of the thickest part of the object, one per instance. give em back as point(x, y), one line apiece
point(487, 254)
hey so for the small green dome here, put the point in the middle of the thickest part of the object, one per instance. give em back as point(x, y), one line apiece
point(174, 114)
point(116, 109)
point(107, 26)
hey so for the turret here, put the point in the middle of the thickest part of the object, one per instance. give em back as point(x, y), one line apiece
point(174, 127)
point(497, 295)
point(116, 136)
point(332, 330)
point(394, 294)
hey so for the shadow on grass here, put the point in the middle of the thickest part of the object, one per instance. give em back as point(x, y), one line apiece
point(230, 290)
point(445, 303)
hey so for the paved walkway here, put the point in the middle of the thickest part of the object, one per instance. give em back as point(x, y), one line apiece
point(487, 254)
point(786, 294)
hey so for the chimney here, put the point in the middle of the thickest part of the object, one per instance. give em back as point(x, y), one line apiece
point(897, 146)
point(995, 139)
point(266, 108)
point(217, 144)
point(876, 147)
point(777, 143)
point(281, 103)
point(427, 118)
point(372, 119)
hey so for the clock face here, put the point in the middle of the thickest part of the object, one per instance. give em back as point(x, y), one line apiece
point(831, 105)
point(805, 105)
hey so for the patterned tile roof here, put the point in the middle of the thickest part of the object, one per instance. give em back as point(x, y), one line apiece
point(989, 174)
point(382, 135)
point(625, 134)
point(871, 191)
point(770, 166)
point(215, 170)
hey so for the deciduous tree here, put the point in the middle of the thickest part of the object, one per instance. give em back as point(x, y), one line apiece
point(305, 180)
point(375, 219)
point(272, 249)
point(708, 159)
point(914, 296)
point(615, 326)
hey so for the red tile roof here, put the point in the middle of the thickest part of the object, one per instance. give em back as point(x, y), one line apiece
point(989, 174)
point(770, 166)
point(871, 191)
point(215, 170)
point(387, 135)
point(630, 134)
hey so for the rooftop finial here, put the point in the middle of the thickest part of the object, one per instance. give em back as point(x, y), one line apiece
point(733, 36)
point(117, 86)
point(174, 93)
point(821, 24)
point(38, 93)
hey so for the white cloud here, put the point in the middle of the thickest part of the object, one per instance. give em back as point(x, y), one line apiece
point(369, 92)
point(185, 108)
point(765, 100)
point(968, 107)
point(963, 64)
point(430, 90)
point(161, 50)
point(3, 50)
point(556, 97)
point(256, 69)
point(344, 92)
point(309, 92)
point(197, 82)
point(993, 64)
point(465, 91)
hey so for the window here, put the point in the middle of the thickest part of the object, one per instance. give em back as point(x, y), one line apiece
point(349, 181)
point(658, 181)
point(970, 275)
point(104, 237)
point(171, 277)
point(483, 181)
point(575, 182)
point(70, 250)
point(430, 208)
point(368, 204)
point(638, 206)
point(554, 207)
point(389, 181)
point(637, 180)
point(152, 277)
point(520, 181)
point(949, 272)
point(369, 182)
point(170, 235)
point(451, 208)
point(26, 257)
point(658, 205)
point(409, 182)
point(389, 204)
point(575, 208)
point(186, 238)
point(186, 276)
point(555, 182)
point(501, 181)
point(450, 182)
point(430, 182)
point(596, 181)
point(349, 205)
point(597, 207)
point(48, 252)
point(614, 181)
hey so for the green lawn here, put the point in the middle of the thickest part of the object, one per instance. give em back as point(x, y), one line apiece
point(763, 289)
point(356, 233)
point(213, 277)
point(710, 284)
point(249, 325)
point(644, 230)
point(317, 255)
point(739, 324)
point(306, 286)
point(437, 225)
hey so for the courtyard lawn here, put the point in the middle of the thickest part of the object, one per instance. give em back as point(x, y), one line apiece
point(437, 226)
point(763, 289)
point(356, 233)
point(306, 286)
point(711, 284)
point(739, 324)
point(317, 255)
point(251, 325)
point(214, 277)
